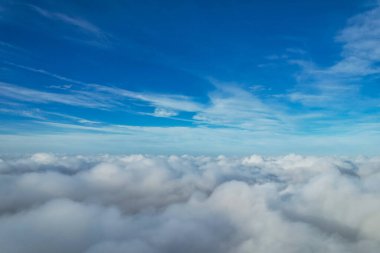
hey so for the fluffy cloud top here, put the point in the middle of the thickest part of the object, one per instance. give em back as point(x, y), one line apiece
point(166, 204)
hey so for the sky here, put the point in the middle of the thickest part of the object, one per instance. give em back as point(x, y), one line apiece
point(189, 126)
point(190, 77)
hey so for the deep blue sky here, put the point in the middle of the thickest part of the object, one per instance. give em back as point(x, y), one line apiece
point(197, 77)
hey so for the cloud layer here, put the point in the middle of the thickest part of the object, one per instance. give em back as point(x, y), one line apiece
point(140, 203)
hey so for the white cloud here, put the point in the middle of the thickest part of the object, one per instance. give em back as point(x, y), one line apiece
point(168, 101)
point(83, 31)
point(43, 158)
point(137, 203)
point(339, 86)
point(162, 112)
point(74, 98)
point(361, 50)
point(47, 73)
point(235, 107)
point(10, 46)
point(77, 22)
point(328, 95)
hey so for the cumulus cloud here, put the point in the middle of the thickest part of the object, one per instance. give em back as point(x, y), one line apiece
point(140, 203)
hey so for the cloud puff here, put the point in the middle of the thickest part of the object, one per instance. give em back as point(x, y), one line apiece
point(162, 112)
point(140, 203)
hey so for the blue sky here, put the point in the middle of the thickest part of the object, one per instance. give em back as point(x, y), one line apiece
point(190, 77)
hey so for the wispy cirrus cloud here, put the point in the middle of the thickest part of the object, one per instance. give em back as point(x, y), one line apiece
point(28, 113)
point(325, 95)
point(79, 98)
point(228, 105)
point(10, 46)
point(168, 101)
point(236, 107)
point(91, 34)
point(166, 105)
point(77, 22)
point(360, 53)
point(44, 72)
point(98, 96)
point(11, 51)
point(361, 45)
point(340, 85)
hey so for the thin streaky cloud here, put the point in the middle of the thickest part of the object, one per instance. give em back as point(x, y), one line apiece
point(167, 101)
point(360, 52)
point(36, 113)
point(77, 22)
point(35, 96)
point(337, 86)
point(44, 72)
point(10, 46)
point(229, 106)
point(227, 100)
